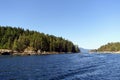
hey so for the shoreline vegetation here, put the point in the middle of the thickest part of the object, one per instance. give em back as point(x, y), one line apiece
point(17, 41)
point(113, 47)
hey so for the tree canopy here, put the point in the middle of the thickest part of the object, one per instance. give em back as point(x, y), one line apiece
point(19, 39)
point(110, 47)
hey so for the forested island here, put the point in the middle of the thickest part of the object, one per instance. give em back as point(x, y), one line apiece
point(17, 40)
point(113, 47)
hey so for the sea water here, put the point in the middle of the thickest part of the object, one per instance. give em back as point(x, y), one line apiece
point(77, 66)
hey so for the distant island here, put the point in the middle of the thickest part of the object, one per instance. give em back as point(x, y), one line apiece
point(113, 47)
point(18, 41)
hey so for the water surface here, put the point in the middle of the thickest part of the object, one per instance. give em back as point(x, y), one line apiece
point(61, 67)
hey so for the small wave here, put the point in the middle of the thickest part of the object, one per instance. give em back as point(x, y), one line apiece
point(74, 72)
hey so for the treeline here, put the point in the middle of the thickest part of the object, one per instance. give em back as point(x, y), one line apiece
point(18, 39)
point(110, 47)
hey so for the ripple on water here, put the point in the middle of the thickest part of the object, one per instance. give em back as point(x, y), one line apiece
point(61, 67)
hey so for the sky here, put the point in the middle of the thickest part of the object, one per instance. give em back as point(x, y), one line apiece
point(87, 23)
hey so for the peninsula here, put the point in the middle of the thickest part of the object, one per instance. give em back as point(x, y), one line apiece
point(15, 40)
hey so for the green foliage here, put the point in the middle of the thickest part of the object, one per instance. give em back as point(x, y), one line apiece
point(19, 39)
point(110, 47)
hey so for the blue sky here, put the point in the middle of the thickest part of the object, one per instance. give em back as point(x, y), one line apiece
point(88, 23)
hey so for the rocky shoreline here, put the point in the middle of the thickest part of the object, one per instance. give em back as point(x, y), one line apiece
point(104, 52)
point(11, 52)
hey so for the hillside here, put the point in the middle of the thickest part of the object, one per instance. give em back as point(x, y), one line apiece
point(20, 40)
point(110, 47)
point(83, 50)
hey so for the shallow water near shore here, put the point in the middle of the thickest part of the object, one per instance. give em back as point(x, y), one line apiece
point(61, 67)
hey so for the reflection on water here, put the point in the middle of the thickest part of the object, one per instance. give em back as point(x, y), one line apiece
point(61, 66)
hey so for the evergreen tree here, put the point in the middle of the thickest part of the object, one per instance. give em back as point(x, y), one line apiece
point(19, 39)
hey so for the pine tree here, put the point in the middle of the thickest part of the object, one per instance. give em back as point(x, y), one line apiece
point(19, 39)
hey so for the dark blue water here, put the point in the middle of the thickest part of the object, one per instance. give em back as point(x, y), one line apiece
point(61, 67)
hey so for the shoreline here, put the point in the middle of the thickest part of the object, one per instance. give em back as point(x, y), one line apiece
point(106, 52)
point(16, 53)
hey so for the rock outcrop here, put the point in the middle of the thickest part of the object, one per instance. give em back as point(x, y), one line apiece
point(6, 52)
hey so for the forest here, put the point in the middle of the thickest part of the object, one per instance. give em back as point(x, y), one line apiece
point(19, 39)
point(113, 46)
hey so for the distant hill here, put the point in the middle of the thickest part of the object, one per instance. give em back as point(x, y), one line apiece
point(82, 50)
point(20, 40)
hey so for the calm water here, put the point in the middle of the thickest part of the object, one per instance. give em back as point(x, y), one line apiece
point(61, 67)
